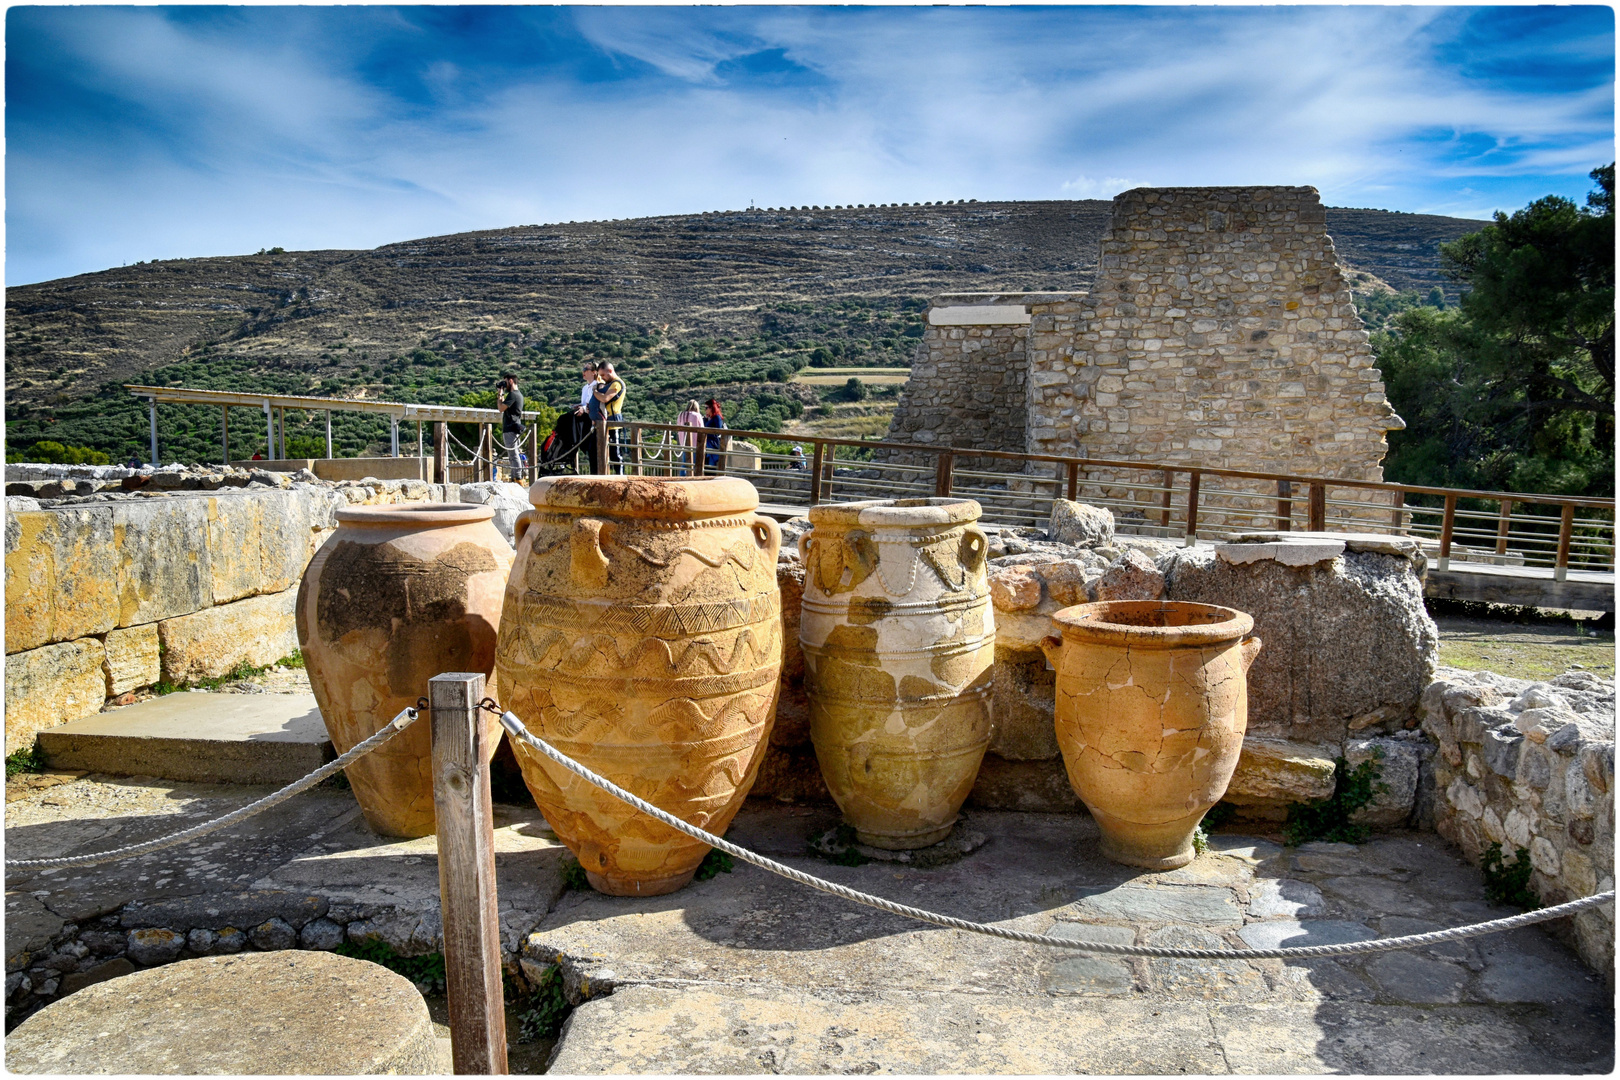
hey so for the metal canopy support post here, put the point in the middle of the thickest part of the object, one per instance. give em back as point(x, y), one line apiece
point(419, 438)
point(467, 900)
point(281, 433)
point(153, 410)
point(225, 435)
point(441, 453)
point(393, 436)
point(329, 433)
point(269, 430)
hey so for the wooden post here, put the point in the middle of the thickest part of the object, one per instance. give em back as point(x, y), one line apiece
point(467, 902)
point(817, 458)
point(1446, 525)
point(1073, 481)
point(1397, 512)
point(601, 447)
point(1318, 508)
point(1503, 523)
point(441, 452)
point(1566, 532)
point(635, 450)
point(1285, 505)
point(1168, 478)
point(942, 474)
point(1192, 507)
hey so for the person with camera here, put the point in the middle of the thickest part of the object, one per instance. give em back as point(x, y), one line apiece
point(509, 400)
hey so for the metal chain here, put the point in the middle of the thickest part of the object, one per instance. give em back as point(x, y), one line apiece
point(405, 719)
point(517, 730)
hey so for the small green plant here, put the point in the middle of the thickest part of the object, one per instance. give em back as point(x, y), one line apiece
point(423, 970)
point(294, 660)
point(25, 761)
point(1508, 882)
point(573, 874)
point(548, 1008)
point(1200, 840)
point(1329, 819)
point(715, 862)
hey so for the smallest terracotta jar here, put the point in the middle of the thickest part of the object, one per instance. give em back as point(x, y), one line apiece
point(1152, 704)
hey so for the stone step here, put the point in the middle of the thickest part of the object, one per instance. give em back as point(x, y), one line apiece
point(197, 737)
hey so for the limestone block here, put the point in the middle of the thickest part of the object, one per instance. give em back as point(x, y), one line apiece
point(234, 546)
point(51, 685)
point(61, 576)
point(132, 659)
point(163, 570)
point(1080, 524)
point(1398, 763)
point(284, 535)
point(1015, 588)
point(1271, 773)
point(792, 727)
point(1022, 693)
point(1342, 638)
point(1289, 552)
point(1133, 576)
point(208, 644)
point(508, 501)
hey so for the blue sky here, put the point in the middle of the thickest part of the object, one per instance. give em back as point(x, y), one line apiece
point(142, 133)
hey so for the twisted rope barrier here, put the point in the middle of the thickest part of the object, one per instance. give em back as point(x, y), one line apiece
point(405, 719)
point(517, 730)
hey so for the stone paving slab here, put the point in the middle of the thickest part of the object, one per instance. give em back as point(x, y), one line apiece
point(205, 738)
point(709, 1029)
point(790, 965)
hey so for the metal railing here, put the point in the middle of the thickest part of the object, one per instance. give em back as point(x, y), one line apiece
point(1171, 500)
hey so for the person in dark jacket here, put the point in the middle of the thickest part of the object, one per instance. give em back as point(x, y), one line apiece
point(712, 443)
point(509, 399)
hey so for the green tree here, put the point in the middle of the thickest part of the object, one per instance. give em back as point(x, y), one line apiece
point(1513, 388)
point(854, 389)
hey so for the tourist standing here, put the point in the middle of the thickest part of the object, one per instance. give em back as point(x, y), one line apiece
point(688, 439)
point(509, 399)
point(587, 376)
point(607, 404)
point(711, 459)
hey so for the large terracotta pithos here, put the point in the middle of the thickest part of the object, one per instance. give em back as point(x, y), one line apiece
point(397, 595)
point(1152, 703)
point(642, 636)
point(899, 638)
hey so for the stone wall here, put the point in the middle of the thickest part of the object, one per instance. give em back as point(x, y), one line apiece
point(110, 591)
point(1219, 332)
point(1531, 766)
point(968, 383)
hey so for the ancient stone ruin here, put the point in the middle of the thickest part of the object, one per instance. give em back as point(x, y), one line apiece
point(1220, 333)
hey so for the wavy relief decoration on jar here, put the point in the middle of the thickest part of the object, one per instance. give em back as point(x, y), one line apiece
point(643, 639)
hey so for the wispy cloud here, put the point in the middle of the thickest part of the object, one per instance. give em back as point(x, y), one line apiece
point(158, 132)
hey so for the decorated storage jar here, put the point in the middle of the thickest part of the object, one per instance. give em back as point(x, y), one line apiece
point(643, 638)
point(898, 637)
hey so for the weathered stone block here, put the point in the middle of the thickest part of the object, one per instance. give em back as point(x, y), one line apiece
point(1271, 773)
point(51, 685)
point(61, 576)
point(234, 546)
point(208, 644)
point(284, 535)
point(1080, 524)
point(132, 659)
point(163, 570)
point(1399, 763)
point(1133, 576)
point(1342, 638)
point(1022, 703)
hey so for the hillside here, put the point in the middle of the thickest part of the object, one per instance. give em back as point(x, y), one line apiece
point(731, 303)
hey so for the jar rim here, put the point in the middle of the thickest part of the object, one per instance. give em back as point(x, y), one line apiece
point(934, 510)
point(426, 515)
point(644, 496)
point(1152, 623)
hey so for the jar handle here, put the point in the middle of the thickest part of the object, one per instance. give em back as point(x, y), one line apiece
point(587, 563)
point(521, 526)
point(768, 534)
point(975, 547)
point(1250, 647)
point(1052, 646)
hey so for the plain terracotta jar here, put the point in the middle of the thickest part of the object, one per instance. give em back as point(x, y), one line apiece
point(898, 637)
point(397, 595)
point(1152, 703)
point(642, 636)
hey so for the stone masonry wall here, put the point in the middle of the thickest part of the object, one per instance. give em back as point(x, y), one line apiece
point(968, 381)
point(109, 592)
